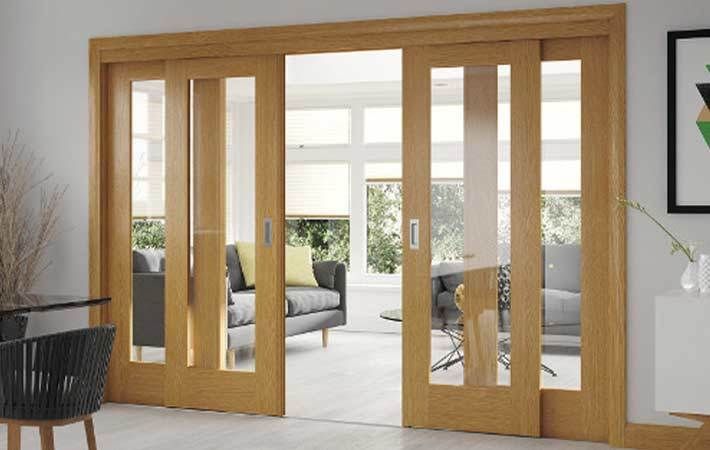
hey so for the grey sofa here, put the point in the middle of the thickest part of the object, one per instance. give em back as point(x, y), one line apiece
point(306, 308)
point(561, 298)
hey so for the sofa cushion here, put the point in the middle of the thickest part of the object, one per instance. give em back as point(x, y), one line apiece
point(451, 274)
point(148, 260)
point(562, 267)
point(446, 300)
point(242, 311)
point(299, 267)
point(561, 307)
point(236, 277)
point(304, 300)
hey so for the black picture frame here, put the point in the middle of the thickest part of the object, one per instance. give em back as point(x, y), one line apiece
point(673, 206)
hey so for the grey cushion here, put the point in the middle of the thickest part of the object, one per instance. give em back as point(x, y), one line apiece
point(561, 307)
point(562, 267)
point(242, 311)
point(446, 300)
point(304, 300)
point(148, 260)
point(451, 274)
point(236, 277)
point(324, 272)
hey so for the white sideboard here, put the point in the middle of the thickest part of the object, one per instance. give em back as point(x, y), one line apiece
point(683, 353)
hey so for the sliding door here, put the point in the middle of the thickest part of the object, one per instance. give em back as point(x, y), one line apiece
point(205, 351)
point(197, 164)
point(456, 248)
point(507, 223)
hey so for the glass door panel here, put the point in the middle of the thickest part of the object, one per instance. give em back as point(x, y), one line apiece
point(148, 219)
point(470, 225)
point(561, 211)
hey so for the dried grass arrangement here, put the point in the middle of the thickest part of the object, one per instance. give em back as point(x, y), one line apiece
point(25, 231)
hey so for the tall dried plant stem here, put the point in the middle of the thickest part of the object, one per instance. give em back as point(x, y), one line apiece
point(25, 232)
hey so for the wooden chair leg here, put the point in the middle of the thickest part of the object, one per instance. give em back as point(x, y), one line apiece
point(14, 433)
point(90, 435)
point(46, 436)
point(325, 337)
point(139, 352)
point(231, 358)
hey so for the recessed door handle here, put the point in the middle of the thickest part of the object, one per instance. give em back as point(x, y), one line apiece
point(414, 234)
point(267, 232)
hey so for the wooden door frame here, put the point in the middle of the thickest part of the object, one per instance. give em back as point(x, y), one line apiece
point(556, 23)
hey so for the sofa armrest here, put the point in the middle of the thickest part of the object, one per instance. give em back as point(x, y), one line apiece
point(333, 275)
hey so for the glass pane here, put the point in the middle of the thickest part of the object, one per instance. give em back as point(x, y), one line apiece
point(561, 224)
point(470, 231)
point(148, 219)
point(223, 219)
point(241, 217)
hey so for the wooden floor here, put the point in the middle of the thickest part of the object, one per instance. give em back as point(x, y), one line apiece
point(124, 427)
point(358, 377)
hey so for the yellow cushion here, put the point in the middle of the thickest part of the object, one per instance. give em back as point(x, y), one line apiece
point(246, 251)
point(299, 265)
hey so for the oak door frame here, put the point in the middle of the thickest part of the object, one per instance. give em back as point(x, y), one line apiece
point(573, 22)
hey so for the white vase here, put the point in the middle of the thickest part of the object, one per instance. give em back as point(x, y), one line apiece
point(704, 274)
point(689, 279)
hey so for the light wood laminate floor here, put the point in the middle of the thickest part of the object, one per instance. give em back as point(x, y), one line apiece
point(125, 427)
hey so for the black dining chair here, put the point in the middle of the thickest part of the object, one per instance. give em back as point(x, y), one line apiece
point(54, 380)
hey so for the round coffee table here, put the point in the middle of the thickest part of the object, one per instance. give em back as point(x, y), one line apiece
point(395, 315)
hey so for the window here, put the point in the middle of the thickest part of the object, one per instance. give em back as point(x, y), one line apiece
point(314, 127)
point(148, 149)
point(329, 239)
point(318, 209)
point(318, 190)
point(383, 125)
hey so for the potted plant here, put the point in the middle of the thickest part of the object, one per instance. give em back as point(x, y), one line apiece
point(29, 214)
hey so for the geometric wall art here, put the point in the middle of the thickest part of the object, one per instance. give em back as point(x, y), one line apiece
point(689, 121)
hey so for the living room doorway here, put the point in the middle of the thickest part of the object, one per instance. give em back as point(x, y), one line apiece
point(343, 203)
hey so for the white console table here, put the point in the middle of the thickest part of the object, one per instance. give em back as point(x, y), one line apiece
point(683, 360)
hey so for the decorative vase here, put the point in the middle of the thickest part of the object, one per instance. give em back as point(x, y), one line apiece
point(704, 274)
point(12, 327)
point(689, 279)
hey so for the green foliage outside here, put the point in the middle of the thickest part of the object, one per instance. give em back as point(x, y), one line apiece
point(384, 224)
point(148, 233)
point(329, 239)
point(561, 219)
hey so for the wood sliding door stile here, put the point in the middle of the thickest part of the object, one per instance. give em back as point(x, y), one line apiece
point(129, 381)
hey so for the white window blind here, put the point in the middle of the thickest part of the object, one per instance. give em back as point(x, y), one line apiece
point(314, 127)
point(148, 149)
point(318, 190)
point(383, 125)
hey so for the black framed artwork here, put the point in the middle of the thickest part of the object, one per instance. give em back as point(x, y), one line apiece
point(689, 121)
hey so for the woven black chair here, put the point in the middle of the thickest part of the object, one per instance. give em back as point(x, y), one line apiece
point(54, 380)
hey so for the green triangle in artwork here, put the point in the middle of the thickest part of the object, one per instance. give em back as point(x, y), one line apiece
point(704, 128)
point(708, 67)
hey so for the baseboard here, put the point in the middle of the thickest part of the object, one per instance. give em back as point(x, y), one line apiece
point(656, 437)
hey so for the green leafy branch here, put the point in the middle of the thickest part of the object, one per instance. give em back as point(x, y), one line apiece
point(676, 244)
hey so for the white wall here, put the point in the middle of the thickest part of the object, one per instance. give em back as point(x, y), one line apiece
point(43, 90)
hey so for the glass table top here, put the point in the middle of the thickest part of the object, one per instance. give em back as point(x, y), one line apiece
point(26, 303)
